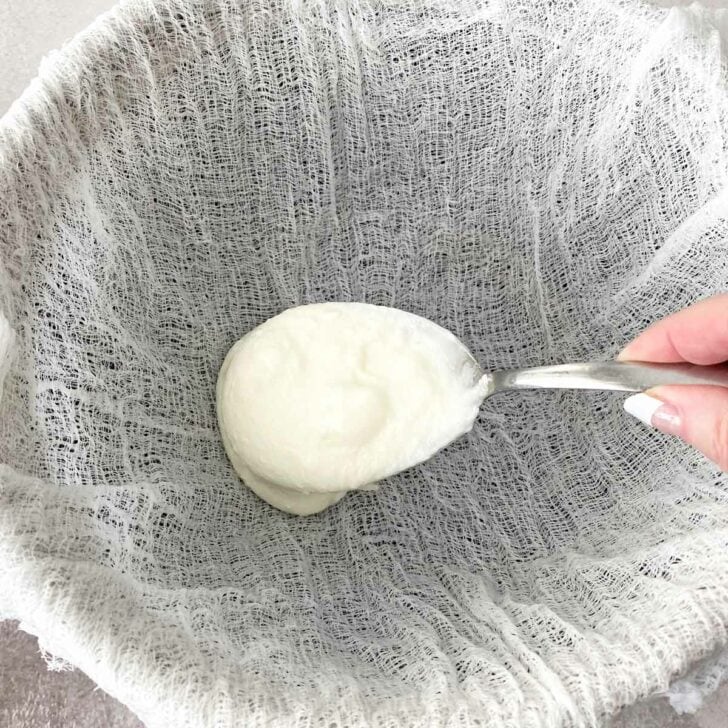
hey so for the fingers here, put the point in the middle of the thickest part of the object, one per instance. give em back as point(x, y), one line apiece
point(697, 414)
point(698, 334)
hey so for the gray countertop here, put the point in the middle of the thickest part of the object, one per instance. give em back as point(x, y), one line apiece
point(30, 695)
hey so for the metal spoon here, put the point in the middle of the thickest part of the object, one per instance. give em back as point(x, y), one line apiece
point(605, 375)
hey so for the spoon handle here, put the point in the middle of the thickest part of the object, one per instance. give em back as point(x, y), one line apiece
point(611, 375)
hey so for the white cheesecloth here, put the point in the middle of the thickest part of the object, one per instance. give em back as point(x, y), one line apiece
point(544, 179)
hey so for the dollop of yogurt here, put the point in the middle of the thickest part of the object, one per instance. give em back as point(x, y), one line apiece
point(328, 398)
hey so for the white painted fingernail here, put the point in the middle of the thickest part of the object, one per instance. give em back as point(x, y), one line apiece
point(643, 407)
point(655, 413)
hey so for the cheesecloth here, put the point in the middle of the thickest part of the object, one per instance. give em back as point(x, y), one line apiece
point(543, 179)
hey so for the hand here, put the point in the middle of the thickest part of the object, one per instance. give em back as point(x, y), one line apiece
point(699, 415)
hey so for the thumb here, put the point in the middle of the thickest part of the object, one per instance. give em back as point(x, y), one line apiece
point(697, 414)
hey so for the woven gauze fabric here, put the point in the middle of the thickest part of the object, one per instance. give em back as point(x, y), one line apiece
point(543, 179)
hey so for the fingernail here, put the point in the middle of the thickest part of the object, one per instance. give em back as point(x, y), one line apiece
point(654, 412)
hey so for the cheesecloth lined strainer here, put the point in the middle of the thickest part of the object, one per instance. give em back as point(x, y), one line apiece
point(543, 179)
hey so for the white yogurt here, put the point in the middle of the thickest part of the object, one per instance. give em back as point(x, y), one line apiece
point(333, 397)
